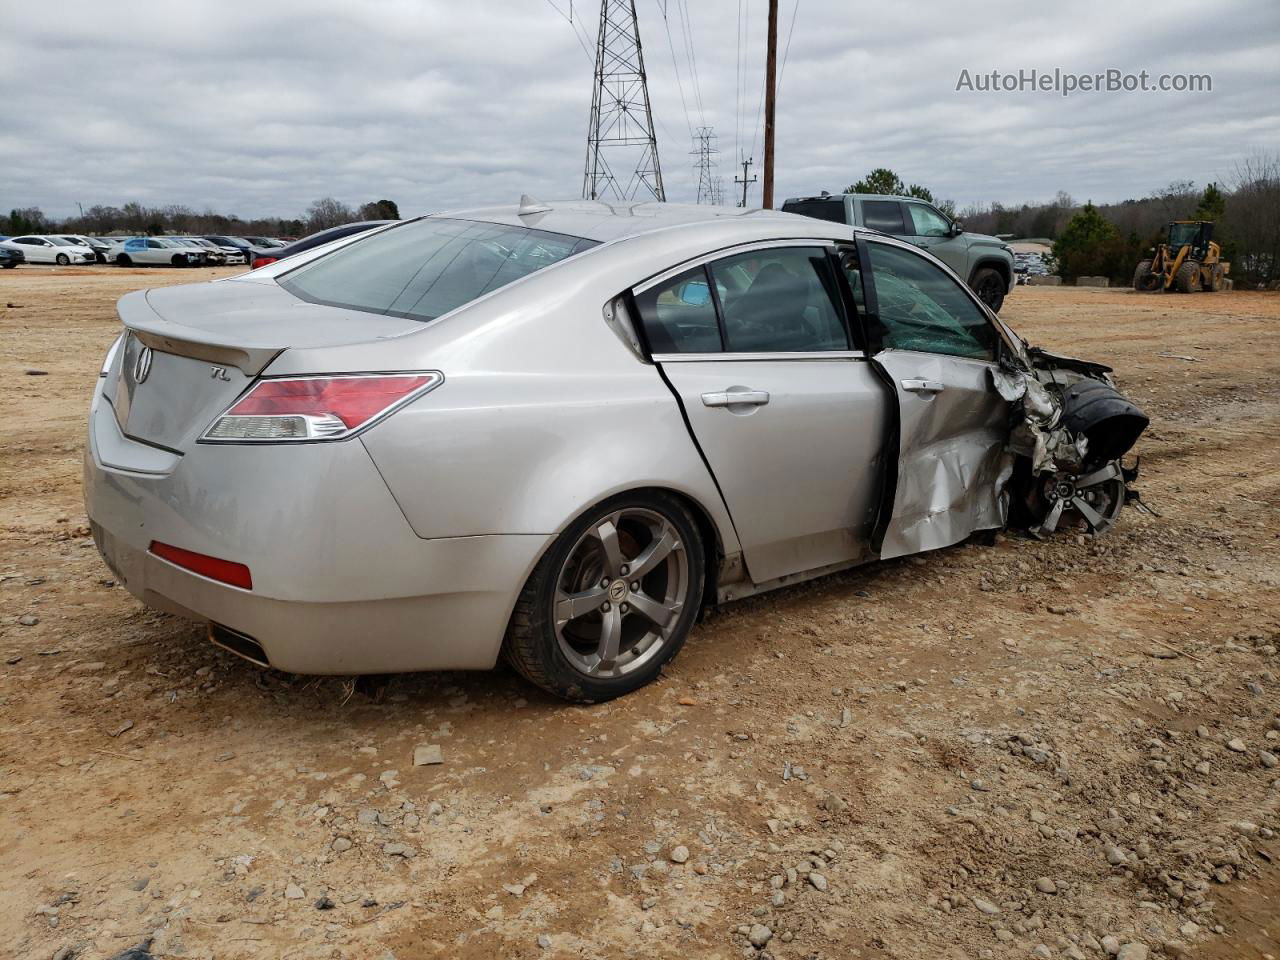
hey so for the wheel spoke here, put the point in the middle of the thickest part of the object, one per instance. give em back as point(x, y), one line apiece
point(610, 638)
point(1050, 523)
point(654, 554)
point(607, 533)
point(1108, 472)
point(661, 614)
point(570, 606)
point(1087, 511)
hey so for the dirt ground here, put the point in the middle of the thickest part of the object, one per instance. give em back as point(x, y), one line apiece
point(1026, 749)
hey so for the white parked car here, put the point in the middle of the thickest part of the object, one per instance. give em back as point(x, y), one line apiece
point(153, 251)
point(40, 249)
point(99, 247)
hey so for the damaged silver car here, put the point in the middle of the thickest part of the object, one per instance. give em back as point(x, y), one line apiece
point(557, 433)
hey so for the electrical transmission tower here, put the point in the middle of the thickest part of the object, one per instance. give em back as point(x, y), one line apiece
point(621, 130)
point(704, 153)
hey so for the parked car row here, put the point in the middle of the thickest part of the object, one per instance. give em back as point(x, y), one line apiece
point(1028, 265)
point(73, 249)
point(215, 250)
point(50, 249)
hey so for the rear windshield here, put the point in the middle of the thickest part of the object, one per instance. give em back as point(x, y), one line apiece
point(425, 268)
point(832, 210)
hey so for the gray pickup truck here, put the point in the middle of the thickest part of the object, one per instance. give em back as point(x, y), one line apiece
point(985, 263)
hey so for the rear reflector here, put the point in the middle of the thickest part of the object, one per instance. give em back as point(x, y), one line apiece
point(263, 261)
point(224, 571)
point(317, 408)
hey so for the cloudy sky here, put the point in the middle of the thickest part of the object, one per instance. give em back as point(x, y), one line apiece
point(260, 108)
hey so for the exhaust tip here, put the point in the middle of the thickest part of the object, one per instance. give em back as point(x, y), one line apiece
point(241, 644)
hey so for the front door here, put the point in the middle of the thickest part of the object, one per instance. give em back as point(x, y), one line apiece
point(931, 231)
point(790, 419)
point(938, 348)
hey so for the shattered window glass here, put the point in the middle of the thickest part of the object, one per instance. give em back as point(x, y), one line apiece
point(923, 309)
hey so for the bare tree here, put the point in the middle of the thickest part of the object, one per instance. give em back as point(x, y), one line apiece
point(328, 212)
point(1252, 219)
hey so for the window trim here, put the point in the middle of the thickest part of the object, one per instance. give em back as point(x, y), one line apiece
point(754, 357)
point(889, 241)
point(705, 261)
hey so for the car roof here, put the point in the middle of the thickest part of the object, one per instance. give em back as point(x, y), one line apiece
point(603, 221)
point(864, 196)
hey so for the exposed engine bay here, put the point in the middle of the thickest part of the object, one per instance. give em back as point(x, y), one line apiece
point(1071, 428)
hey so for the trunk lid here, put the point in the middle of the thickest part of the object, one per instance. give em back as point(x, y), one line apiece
point(190, 351)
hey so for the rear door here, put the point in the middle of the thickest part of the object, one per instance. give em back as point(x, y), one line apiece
point(938, 347)
point(789, 417)
point(886, 216)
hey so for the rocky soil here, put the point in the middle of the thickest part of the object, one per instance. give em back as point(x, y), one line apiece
point(1015, 749)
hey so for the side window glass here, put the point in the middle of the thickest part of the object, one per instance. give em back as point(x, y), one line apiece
point(781, 300)
point(155, 244)
point(679, 315)
point(927, 221)
point(883, 215)
point(921, 308)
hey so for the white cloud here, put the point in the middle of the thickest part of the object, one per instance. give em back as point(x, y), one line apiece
point(261, 108)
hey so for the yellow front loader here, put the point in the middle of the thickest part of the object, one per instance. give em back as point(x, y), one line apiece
point(1190, 261)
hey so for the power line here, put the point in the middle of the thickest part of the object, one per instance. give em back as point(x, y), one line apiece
point(572, 23)
point(787, 49)
point(679, 83)
point(682, 7)
point(737, 88)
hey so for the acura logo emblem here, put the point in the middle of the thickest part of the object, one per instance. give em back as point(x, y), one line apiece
point(142, 366)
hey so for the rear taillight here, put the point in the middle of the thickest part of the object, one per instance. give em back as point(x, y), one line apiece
point(262, 261)
point(317, 408)
point(224, 571)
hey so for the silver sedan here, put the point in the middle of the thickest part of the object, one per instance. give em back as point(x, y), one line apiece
point(559, 433)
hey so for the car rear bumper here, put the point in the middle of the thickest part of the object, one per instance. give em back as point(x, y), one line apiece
point(341, 584)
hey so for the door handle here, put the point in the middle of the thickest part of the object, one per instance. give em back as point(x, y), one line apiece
point(923, 386)
point(727, 398)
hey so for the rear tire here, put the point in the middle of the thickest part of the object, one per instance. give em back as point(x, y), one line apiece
point(990, 287)
point(10, 266)
point(646, 547)
point(1188, 278)
point(1217, 278)
point(1144, 281)
point(62, 260)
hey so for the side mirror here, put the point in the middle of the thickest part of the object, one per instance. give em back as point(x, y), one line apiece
point(695, 293)
point(957, 228)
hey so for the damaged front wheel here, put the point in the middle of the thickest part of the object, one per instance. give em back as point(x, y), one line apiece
point(1095, 497)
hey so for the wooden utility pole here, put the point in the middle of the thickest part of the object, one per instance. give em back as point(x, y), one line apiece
point(770, 104)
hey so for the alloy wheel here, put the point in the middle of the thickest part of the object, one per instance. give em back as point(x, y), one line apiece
point(1096, 497)
point(620, 592)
